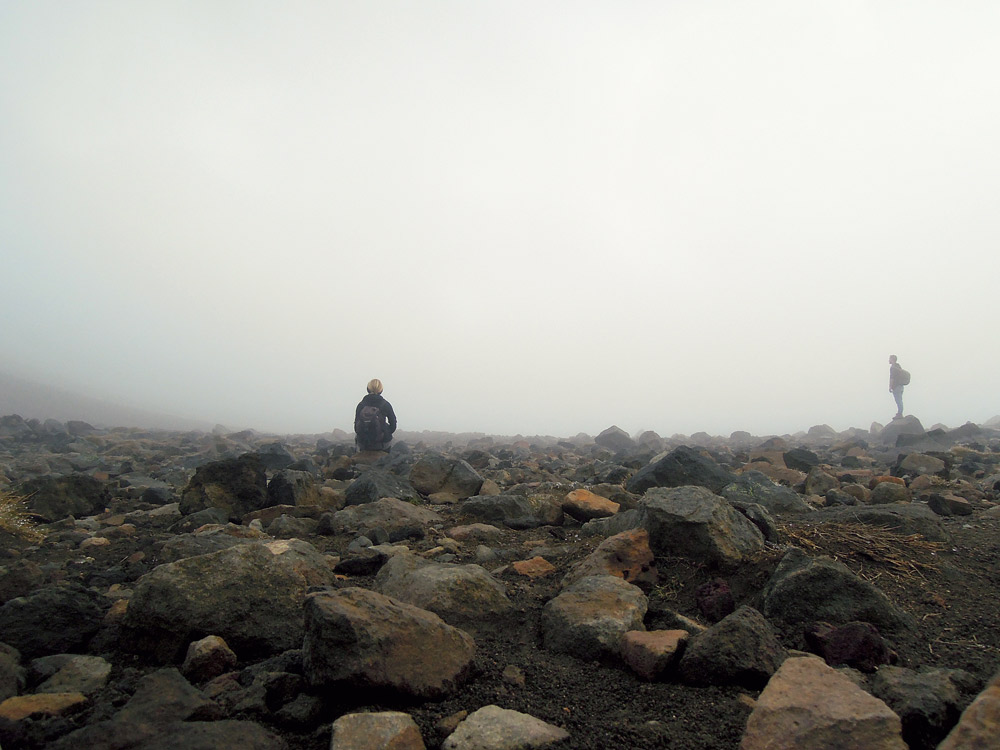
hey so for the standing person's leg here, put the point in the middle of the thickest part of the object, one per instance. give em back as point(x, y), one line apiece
point(897, 393)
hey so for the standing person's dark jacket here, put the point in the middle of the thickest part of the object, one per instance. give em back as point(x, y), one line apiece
point(388, 417)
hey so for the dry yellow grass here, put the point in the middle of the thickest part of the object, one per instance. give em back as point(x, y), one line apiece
point(15, 519)
point(861, 543)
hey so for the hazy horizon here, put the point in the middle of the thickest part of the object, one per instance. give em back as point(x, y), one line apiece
point(522, 218)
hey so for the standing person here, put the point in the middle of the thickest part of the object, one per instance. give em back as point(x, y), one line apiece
point(898, 377)
point(374, 420)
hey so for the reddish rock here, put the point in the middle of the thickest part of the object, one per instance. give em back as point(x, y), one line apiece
point(856, 644)
point(715, 600)
point(536, 567)
point(809, 706)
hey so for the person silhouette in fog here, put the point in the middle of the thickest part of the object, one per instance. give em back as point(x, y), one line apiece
point(374, 420)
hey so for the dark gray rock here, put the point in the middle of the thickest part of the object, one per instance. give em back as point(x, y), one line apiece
point(19, 578)
point(465, 596)
point(275, 456)
point(616, 439)
point(437, 473)
point(288, 487)
point(755, 487)
point(694, 523)
point(12, 674)
point(803, 590)
point(515, 511)
point(237, 485)
point(250, 595)
point(52, 620)
point(387, 519)
point(54, 498)
point(376, 484)
point(682, 466)
point(900, 428)
point(743, 649)
point(927, 702)
point(801, 459)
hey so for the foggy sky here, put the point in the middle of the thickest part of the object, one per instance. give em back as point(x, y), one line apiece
point(534, 218)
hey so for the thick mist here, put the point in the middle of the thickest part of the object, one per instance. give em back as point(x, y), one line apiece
point(522, 218)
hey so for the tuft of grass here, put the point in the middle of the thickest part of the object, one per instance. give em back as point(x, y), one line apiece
point(15, 519)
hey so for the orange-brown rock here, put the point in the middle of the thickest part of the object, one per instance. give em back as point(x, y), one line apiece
point(41, 704)
point(584, 505)
point(626, 555)
point(651, 653)
point(536, 567)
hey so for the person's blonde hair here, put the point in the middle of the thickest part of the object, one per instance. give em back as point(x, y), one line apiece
point(375, 386)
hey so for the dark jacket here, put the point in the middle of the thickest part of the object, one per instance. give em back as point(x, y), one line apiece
point(388, 415)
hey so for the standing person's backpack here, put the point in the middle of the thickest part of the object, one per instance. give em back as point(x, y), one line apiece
point(368, 426)
point(904, 377)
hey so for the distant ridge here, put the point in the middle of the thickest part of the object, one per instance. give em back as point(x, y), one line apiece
point(32, 400)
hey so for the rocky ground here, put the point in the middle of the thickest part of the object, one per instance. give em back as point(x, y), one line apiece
point(188, 590)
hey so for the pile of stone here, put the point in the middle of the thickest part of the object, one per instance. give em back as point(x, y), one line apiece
point(237, 590)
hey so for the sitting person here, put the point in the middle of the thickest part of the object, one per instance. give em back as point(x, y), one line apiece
point(374, 420)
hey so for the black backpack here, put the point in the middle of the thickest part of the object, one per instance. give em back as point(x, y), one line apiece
point(368, 425)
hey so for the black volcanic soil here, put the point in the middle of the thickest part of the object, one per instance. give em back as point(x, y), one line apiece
point(951, 591)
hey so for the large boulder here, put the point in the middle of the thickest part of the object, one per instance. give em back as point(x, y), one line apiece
point(921, 463)
point(237, 485)
point(275, 456)
point(435, 473)
point(461, 595)
point(803, 590)
point(927, 702)
point(54, 498)
point(52, 620)
point(251, 595)
point(616, 439)
point(388, 520)
point(887, 493)
point(376, 484)
point(741, 649)
point(800, 459)
point(682, 466)
point(288, 487)
point(590, 617)
point(755, 487)
point(515, 511)
point(809, 706)
point(907, 426)
point(694, 523)
point(360, 639)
